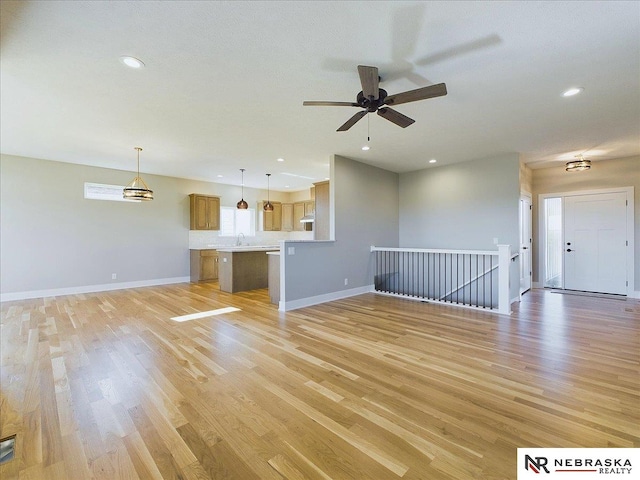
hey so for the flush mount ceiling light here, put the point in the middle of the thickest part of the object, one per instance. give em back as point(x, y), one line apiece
point(137, 189)
point(132, 62)
point(572, 91)
point(242, 205)
point(268, 207)
point(578, 165)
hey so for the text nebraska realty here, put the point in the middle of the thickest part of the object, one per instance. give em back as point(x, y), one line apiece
point(618, 466)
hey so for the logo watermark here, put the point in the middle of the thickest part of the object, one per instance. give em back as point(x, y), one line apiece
point(578, 463)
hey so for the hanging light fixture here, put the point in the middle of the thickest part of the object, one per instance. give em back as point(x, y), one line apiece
point(242, 205)
point(578, 165)
point(137, 189)
point(268, 207)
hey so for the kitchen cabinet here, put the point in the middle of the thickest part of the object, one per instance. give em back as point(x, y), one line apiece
point(300, 209)
point(271, 221)
point(204, 265)
point(287, 217)
point(321, 225)
point(204, 212)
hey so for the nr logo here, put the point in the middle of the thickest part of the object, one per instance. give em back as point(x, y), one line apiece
point(536, 464)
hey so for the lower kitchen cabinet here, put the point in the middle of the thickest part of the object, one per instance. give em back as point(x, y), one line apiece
point(204, 265)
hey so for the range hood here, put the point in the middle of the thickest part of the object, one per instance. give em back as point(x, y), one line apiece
point(308, 218)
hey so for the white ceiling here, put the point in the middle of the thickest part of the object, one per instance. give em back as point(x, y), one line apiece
point(224, 83)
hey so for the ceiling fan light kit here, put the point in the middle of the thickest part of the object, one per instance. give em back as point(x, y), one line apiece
point(372, 98)
point(137, 189)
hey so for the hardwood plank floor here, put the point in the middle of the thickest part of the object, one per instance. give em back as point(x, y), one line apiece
point(107, 385)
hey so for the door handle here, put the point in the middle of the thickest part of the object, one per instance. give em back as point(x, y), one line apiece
point(524, 248)
point(569, 250)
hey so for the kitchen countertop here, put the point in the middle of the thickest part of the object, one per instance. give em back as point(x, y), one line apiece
point(248, 248)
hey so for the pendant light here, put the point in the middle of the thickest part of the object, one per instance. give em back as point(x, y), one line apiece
point(242, 205)
point(268, 207)
point(578, 165)
point(137, 189)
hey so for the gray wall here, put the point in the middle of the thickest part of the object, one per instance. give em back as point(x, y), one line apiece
point(52, 238)
point(464, 206)
point(364, 206)
point(461, 206)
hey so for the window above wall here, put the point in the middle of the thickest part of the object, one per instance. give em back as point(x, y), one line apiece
point(234, 222)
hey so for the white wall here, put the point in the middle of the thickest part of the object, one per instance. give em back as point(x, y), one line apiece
point(364, 205)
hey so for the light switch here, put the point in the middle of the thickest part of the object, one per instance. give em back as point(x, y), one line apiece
point(291, 250)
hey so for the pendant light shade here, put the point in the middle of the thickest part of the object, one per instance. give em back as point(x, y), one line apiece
point(242, 205)
point(268, 207)
point(137, 189)
point(578, 165)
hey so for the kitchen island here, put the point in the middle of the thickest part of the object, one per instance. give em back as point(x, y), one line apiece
point(244, 268)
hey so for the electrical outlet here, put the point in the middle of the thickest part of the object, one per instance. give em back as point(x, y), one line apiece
point(114, 276)
point(495, 240)
point(346, 281)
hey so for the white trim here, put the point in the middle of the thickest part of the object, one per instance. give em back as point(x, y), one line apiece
point(326, 297)
point(631, 292)
point(434, 250)
point(57, 292)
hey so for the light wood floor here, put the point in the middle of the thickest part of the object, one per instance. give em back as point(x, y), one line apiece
point(107, 386)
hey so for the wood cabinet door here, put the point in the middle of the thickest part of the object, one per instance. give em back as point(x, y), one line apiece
point(287, 217)
point(209, 267)
point(298, 213)
point(199, 219)
point(309, 207)
point(213, 213)
point(272, 221)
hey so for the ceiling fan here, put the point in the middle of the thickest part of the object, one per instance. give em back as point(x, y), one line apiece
point(374, 99)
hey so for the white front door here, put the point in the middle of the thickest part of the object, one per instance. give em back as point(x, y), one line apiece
point(525, 243)
point(595, 243)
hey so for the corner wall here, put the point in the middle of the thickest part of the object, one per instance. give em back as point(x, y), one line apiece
point(364, 209)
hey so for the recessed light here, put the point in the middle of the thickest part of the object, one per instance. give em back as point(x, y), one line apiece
point(219, 176)
point(433, 160)
point(132, 62)
point(281, 159)
point(365, 147)
point(286, 186)
point(572, 91)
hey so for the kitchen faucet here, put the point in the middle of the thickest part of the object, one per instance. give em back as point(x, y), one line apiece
point(239, 242)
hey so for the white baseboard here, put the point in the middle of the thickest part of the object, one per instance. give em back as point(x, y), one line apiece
point(327, 297)
point(634, 294)
point(56, 292)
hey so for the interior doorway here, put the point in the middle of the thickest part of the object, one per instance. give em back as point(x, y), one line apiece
point(587, 241)
point(525, 243)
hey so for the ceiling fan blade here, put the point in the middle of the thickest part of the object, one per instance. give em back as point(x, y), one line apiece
point(352, 121)
point(418, 94)
point(369, 80)
point(330, 104)
point(395, 117)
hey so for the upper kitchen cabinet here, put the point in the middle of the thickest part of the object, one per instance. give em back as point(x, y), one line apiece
point(322, 221)
point(287, 217)
point(271, 221)
point(205, 212)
